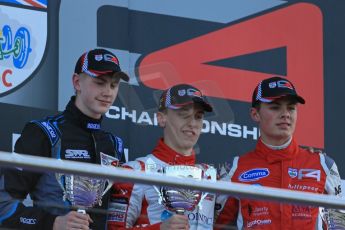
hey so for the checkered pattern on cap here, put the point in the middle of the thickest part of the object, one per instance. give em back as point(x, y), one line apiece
point(84, 67)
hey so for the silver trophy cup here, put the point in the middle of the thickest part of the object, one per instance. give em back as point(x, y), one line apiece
point(82, 192)
point(85, 192)
point(179, 200)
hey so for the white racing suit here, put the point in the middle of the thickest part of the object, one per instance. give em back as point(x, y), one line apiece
point(137, 205)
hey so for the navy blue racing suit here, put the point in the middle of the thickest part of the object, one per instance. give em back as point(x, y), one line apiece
point(70, 135)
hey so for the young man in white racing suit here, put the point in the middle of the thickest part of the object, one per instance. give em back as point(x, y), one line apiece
point(181, 113)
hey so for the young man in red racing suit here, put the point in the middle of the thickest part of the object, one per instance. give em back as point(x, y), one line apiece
point(277, 161)
point(181, 112)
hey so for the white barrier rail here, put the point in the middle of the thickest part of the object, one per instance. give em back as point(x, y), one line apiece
point(258, 192)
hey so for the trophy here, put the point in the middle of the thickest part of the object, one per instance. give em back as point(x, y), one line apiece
point(179, 200)
point(334, 218)
point(85, 192)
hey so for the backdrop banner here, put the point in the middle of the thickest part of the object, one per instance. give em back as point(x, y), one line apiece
point(224, 48)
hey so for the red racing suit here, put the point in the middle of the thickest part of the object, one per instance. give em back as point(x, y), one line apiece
point(291, 168)
point(136, 205)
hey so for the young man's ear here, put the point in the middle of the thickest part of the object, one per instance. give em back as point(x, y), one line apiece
point(161, 118)
point(254, 114)
point(76, 82)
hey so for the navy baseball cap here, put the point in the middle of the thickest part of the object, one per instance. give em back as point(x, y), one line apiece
point(181, 95)
point(274, 88)
point(98, 62)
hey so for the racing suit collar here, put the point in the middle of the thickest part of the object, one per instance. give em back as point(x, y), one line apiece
point(273, 156)
point(79, 118)
point(170, 156)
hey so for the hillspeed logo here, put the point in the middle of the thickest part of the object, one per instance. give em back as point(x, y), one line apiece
point(23, 36)
point(254, 174)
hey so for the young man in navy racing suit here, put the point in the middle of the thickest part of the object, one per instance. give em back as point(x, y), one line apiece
point(76, 135)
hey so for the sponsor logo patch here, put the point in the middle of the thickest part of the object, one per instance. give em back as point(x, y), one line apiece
point(301, 212)
point(111, 58)
point(293, 172)
point(272, 85)
point(258, 223)
point(116, 216)
point(199, 217)
point(301, 187)
point(284, 84)
point(50, 129)
point(98, 57)
point(259, 211)
point(333, 172)
point(181, 92)
point(77, 154)
point(107, 160)
point(93, 126)
point(30, 221)
point(337, 190)
point(309, 173)
point(254, 174)
point(117, 212)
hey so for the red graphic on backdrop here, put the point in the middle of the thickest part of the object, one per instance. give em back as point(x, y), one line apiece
point(297, 27)
point(4, 78)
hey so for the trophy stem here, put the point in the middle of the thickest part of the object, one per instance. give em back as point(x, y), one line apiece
point(179, 211)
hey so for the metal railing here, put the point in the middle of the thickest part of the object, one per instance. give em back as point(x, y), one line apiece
point(118, 174)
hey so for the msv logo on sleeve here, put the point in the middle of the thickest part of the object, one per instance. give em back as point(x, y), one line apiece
point(254, 174)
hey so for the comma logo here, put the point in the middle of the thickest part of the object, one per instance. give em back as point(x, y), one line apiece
point(254, 174)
